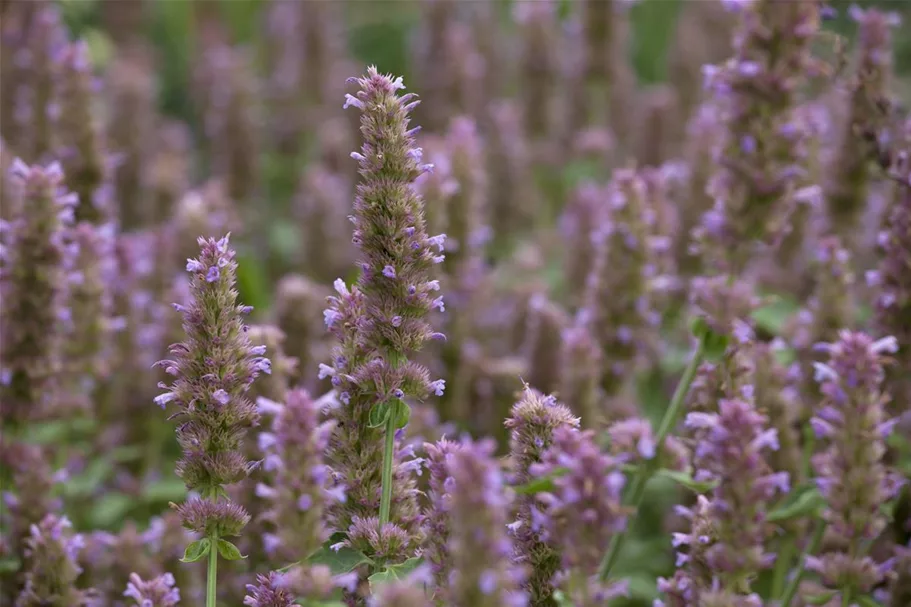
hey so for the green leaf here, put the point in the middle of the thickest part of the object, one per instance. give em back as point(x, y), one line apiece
point(868, 601)
point(685, 480)
point(10, 565)
point(87, 482)
point(229, 551)
point(379, 414)
point(170, 489)
point(402, 413)
point(111, 510)
point(561, 599)
point(774, 316)
point(539, 485)
point(197, 550)
point(820, 599)
point(339, 561)
point(393, 573)
point(714, 343)
point(803, 501)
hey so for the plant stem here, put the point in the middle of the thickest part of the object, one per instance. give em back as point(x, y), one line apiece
point(386, 495)
point(211, 585)
point(801, 565)
point(644, 473)
point(782, 565)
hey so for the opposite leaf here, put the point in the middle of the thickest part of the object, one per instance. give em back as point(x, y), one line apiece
point(339, 561)
point(393, 573)
point(197, 550)
point(229, 551)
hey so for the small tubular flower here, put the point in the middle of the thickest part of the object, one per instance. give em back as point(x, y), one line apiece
point(52, 551)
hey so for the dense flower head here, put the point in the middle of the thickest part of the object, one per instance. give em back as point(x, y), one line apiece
point(482, 570)
point(616, 304)
point(269, 591)
point(298, 311)
point(694, 573)
point(221, 518)
point(52, 551)
point(436, 521)
point(298, 484)
point(464, 212)
point(283, 367)
point(213, 370)
point(82, 147)
point(731, 449)
point(389, 543)
point(382, 320)
point(850, 169)
point(34, 263)
point(850, 470)
point(157, 592)
point(583, 510)
point(760, 157)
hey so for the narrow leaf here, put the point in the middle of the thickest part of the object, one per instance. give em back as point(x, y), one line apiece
point(196, 550)
point(539, 485)
point(685, 480)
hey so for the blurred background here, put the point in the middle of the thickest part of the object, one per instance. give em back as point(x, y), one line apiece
point(226, 115)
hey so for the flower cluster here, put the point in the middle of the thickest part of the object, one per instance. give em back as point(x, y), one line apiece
point(158, 592)
point(299, 485)
point(213, 370)
point(581, 513)
point(382, 320)
point(52, 551)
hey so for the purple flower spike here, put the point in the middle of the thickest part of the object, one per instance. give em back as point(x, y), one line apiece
point(158, 592)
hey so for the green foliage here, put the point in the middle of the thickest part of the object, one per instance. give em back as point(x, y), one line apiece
point(392, 573)
point(229, 551)
point(197, 550)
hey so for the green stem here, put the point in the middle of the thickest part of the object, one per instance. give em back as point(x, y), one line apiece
point(211, 585)
point(644, 473)
point(389, 447)
point(782, 565)
point(811, 550)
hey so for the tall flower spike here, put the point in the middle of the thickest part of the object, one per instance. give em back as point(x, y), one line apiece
point(436, 521)
point(482, 572)
point(581, 513)
point(731, 447)
point(850, 168)
point(382, 320)
point(322, 205)
point(298, 486)
point(544, 324)
point(616, 305)
point(52, 552)
point(532, 424)
point(158, 592)
point(276, 386)
point(540, 68)
point(213, 370)
point(580, 374)
point(850, 471)
point(269, 591)
point(80, 133)
point(33, 282)
point(759, 161)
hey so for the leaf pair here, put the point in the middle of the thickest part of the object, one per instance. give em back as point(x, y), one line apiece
point(200, 548)
point(381, 412)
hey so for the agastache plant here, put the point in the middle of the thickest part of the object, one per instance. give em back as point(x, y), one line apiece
point(157, 592)
point(850, 471)
point(213, 370)
point(382, 319)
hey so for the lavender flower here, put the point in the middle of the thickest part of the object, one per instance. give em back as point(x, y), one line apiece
point(545, 321)
point(849, 171)
point(731, 445)
point(532, 424)
point(269, 591)
point(83, 154)
point(33, 281)
point(51, 552)
point(540, 32)
point(581, 213)
point(158, 592)
point(299, 484)
point(274, 387)
point(213, 371)
point(759, 160)
point(322, 205)
point(381, 321)
point(616, 304)
point(515, 202)
point(633, 441)
point(581, 513)
point(850, 471)
point(436, 521)
point(893, 303)
point(482, 573)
